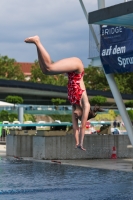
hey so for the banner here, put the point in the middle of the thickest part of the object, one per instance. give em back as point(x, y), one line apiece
point(116, 51)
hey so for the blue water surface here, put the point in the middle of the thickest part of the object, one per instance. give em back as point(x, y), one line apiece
point(21, 180)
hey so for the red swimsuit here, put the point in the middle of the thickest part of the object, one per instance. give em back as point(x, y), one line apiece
point(74, 90)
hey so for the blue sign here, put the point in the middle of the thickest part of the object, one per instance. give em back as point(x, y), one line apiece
point(116, 51)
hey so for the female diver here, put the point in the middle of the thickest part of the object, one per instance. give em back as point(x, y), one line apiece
point(76, 89)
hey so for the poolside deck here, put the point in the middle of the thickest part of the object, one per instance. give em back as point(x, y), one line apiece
point(109, 164)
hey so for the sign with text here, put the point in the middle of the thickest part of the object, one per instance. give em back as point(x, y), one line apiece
point(116, 51)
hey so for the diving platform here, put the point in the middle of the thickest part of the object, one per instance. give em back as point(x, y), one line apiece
point(117, 15)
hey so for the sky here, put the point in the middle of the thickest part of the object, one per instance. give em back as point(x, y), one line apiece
point(60, 24)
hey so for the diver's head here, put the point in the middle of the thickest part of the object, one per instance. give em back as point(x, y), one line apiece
point(77, 110)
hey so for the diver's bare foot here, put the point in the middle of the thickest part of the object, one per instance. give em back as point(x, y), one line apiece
point(81, 148)
point(34, 39)
point(76, 146)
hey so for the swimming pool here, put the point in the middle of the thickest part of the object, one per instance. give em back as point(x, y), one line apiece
point(21, 180)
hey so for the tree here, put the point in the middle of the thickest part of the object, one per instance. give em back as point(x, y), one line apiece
point(9, 69)
point(14, 99)
point(95, 79)
point(58, 101)
point(129, 104)
point(4, 115)
point(124, 81)
point(130, 113)
point(99, 100)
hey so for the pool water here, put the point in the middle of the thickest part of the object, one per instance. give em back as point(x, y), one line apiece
point(21, 180)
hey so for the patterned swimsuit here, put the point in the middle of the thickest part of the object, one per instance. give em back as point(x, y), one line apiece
point(74, 89)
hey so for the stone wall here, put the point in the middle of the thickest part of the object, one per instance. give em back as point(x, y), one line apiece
point(19, 145)
point(63, 147)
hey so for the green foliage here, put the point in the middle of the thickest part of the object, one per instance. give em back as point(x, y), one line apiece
point(112, 113)
point(14, 99)
point(12, 117)
point(110, 116)
point(95, 79)
point(124, 81)
point(99, 100)
point(9, 69)
point(5, 116)
point(62, 118)
point(104, 117)
point(130, 113)
point(29, 117)
point(129, 103)
point(58, 101)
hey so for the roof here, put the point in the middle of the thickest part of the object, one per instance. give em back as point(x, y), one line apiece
point(2, 103)
point(25, 67)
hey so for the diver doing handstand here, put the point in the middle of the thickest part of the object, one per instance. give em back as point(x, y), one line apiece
point(77, 94)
